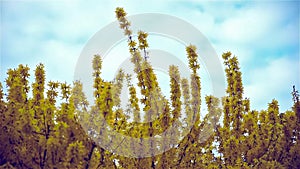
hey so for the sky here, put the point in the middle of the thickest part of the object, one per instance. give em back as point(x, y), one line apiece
point(264, 35)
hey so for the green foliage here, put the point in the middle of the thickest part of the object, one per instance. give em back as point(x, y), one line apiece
point(52, 125)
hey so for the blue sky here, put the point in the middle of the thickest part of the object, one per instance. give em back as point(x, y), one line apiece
point(264, 36)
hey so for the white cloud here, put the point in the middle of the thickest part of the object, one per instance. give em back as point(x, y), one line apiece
point(248, 25)
point(273, 81)
point(60, 59)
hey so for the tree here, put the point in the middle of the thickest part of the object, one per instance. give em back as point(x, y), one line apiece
point(52, 125)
